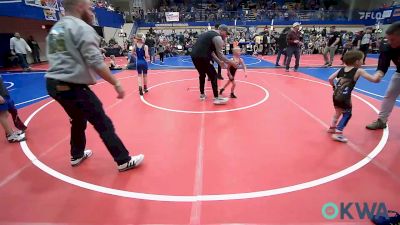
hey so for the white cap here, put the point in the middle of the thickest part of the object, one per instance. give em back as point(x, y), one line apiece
point(296, 24)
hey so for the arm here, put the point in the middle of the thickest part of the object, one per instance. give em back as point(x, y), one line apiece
point(219, 44)
point(12, 46)
point(244, 66)
point(383, 63)
point(376, 78)
point(27, 47)
point(336, 42)
point(332, 78)
point(146, 52)
point(216, 59)
point(87, 44)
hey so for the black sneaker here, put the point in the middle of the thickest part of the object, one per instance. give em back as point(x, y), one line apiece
point(221, 91)
point(134, 162)
point(233, 95)
point(140, 91)
point(146, 90)
point(86, 154)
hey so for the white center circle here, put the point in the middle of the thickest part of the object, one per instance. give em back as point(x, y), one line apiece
point(215, 197)
point(206, 111)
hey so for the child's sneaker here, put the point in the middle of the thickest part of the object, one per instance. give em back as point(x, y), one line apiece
point(331, 130)
point(86, 154)
point(16, 136)
point(134, 162)
point(338, 136)
point(233, 95)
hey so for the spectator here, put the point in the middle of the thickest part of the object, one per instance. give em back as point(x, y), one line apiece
point(282, 45)
point(365, 43)
point(333, 41)
point(293, 40)
point(35, 49)
point(19, 47)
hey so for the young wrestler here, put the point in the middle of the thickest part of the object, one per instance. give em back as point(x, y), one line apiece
point(113, 64)
point(7, 105)
point(346, 80)
point(141, 51)
point(232, 71)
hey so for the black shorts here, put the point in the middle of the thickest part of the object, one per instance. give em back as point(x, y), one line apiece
point(343, 103)
point(232, 71)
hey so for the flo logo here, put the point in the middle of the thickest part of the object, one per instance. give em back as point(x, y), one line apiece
point(352, 210)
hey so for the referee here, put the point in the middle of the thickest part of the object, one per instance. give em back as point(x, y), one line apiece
point(75, 60)
point(208, 47)
point(389, 53)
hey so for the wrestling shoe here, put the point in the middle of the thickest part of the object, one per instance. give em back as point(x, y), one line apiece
point(331, 130)
point(16, 136)
point(338, 136)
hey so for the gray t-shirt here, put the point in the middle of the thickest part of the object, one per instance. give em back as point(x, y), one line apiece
point(73, 52)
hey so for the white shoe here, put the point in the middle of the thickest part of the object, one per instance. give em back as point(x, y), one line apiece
point(16, 136)
point(86, 154)
point(133, 163)
point(220, 101)
point(203, 97)
point(339, 137)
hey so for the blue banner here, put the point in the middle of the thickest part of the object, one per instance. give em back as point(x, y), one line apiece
point(104, 17)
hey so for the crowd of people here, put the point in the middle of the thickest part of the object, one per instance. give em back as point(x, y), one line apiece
point(246, 10)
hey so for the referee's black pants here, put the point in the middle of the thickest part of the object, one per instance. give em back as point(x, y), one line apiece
point(83, 106)
point(205, 67)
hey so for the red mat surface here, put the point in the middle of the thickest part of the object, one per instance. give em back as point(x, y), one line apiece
point(277, 143)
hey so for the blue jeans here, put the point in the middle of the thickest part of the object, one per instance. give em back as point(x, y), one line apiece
point(153, 54)
point(83, 106)
point(290, 51)
point(22, 60)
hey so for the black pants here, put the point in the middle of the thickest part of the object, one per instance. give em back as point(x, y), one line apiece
point(290, 51)
point(161, 56)
point(364, 49)
point(82, 105)
point(205, 67)
point(36, 55)
point(22, 61)
point(278, 57)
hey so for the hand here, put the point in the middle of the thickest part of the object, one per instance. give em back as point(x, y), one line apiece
point(296, 41)
point(223, 66)
point(2, 100)
point(119, 90)
point(230, 77)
